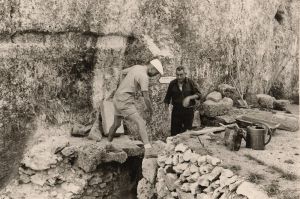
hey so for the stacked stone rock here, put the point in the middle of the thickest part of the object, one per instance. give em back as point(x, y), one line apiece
point(229, 91)
point(58, 169)
point(214, 109)
point(65, 181)
point(215, 105)
point(184, 174)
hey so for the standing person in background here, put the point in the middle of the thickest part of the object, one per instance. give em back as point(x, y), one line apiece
point(182, 93)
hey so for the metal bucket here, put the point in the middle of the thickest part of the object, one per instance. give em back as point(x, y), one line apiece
point(256, 137)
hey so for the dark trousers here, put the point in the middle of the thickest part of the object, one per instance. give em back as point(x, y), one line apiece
point(181, 121)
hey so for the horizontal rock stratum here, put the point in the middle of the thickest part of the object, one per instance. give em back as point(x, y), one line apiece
point(59, 59)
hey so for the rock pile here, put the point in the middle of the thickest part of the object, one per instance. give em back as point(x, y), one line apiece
point(62, 167)
point(215, 105)
point(214, 109)
point(229, 91)
point(181, 173)
point(265, 101)
point(281, 105)
point(269, 102)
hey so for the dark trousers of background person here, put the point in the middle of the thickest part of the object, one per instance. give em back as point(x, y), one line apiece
point(181, 120)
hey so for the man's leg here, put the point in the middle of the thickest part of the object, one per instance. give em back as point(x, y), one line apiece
point(114, 127)
point(150, 152)
point(188, 121)
point(176, 124)
point(140, 122)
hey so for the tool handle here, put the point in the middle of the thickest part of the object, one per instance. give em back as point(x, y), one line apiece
point(267, 132)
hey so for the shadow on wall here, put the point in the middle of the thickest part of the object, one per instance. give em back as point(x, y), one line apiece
point(51, 82)
point(136, 52)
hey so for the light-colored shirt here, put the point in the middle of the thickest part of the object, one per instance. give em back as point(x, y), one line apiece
point(135, 80)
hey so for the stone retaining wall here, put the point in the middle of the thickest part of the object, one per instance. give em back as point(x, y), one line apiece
point(63, 167)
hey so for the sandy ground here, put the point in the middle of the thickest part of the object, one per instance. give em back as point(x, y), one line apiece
point(275, 169)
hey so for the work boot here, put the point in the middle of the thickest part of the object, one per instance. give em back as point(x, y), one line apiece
point(150, 153)
point(115, 135)
point(111, 136)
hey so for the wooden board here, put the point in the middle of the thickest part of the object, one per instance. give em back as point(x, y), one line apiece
point(107, 113)
point(210, 130)
point(166, 80)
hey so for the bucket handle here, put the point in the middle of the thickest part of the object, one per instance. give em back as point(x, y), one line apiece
point(267, 131)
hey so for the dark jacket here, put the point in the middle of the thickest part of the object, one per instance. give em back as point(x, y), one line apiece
point(175, 95)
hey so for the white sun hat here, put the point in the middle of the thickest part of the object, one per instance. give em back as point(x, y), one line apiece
point(157, 64)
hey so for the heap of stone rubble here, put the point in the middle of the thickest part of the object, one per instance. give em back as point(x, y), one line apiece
point(63, 167)
point(179, 172)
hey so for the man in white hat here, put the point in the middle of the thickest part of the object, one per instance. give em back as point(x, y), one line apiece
point(137, 78)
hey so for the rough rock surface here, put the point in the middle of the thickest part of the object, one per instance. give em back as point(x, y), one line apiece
point(265, 101)
point(281, 105)
point(42, 156)
point(149, 167)
point(52, 50)
point(212, 109)
point(251, 191)
point(144, 189)
point(66, 167)
point(79, 168)
point(287, 122)
point(229, 91)
point(214, 96)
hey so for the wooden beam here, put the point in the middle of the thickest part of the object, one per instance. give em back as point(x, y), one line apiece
point(210, 130)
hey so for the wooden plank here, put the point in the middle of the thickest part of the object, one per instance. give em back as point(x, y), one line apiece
point(166, 80)
point(107, 113)
point(210, 130)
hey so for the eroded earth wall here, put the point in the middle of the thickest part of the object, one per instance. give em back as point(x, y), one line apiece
point(58, 58)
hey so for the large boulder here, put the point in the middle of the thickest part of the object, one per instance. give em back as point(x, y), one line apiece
point(212, 109)
point(89, 157)
point(281, 105)
point(214, 96)
point(287, 122)
point(265, 101)
point(145, 189)
point(251, 191)
point(92, 155)
point(149, 167)
point(43, 155)
point(229, 91)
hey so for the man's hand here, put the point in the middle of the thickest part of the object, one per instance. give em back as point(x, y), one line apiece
point(186, 101)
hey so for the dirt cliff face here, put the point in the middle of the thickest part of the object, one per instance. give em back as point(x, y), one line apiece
point(59, 59)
